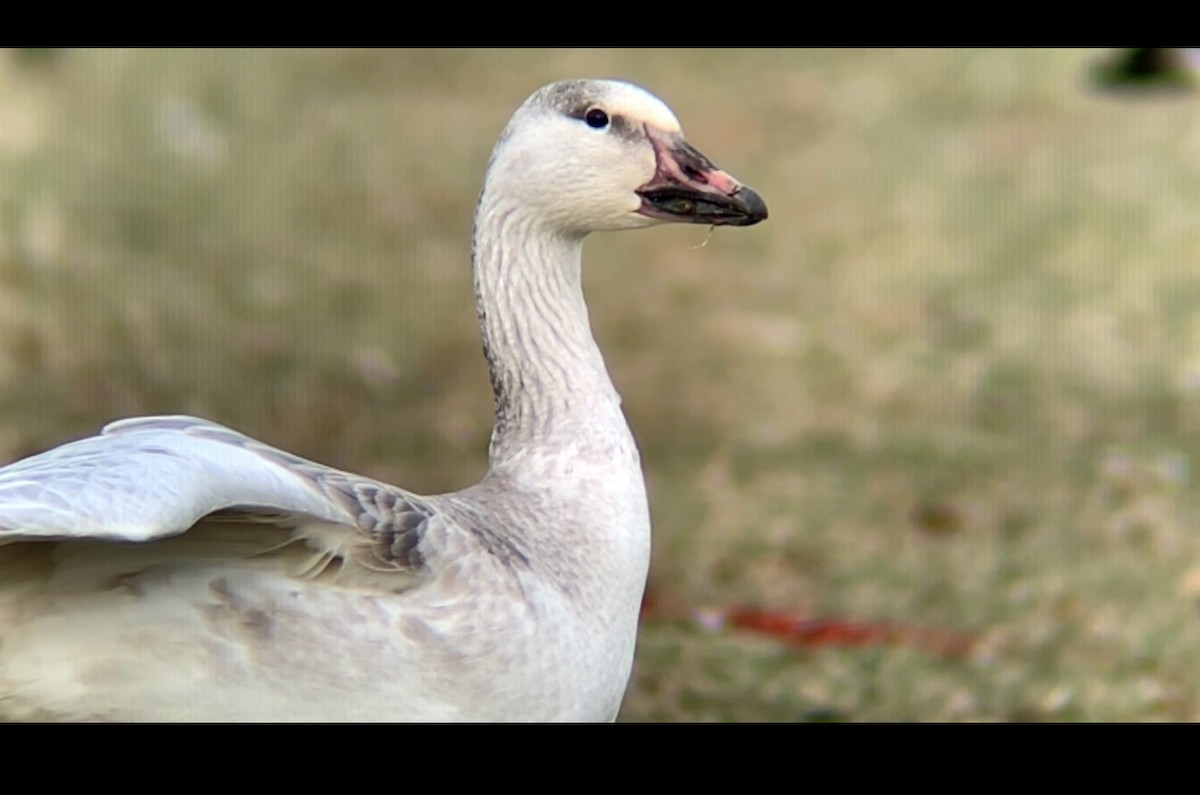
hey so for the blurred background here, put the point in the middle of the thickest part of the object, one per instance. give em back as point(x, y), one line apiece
point(922, 446)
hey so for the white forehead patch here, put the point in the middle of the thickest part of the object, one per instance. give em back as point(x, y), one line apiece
point(638, 103)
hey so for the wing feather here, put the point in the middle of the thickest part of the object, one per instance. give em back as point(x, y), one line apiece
point(152, 477)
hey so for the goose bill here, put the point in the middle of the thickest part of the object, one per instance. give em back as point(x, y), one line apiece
point(688, 188)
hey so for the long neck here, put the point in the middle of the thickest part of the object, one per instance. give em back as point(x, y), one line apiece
point(547, 373)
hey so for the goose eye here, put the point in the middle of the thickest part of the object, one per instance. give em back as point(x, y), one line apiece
point(596, 118)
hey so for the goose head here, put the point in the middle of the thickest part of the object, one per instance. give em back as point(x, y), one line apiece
point(590, 155)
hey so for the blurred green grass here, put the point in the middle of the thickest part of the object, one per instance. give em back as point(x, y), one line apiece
point(953, 382)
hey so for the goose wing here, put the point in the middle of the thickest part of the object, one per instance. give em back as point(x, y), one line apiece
point(153, 477)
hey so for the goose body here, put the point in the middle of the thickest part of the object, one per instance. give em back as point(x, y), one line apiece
point(170, 568)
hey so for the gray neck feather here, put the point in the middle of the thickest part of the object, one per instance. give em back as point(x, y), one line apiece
point(548, 375)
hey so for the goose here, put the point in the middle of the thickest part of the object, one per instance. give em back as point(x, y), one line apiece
point(170, 568)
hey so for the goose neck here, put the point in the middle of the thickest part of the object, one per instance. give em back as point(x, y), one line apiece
point(546, 369)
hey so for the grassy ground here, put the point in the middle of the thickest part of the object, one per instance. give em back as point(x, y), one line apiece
point(953, 383)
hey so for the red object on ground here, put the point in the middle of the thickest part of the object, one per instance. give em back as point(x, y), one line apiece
point(813, 632)
point(840, 632)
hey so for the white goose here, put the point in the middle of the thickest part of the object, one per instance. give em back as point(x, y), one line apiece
point(336, 597)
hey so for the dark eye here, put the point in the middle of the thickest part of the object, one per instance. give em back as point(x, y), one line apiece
point(596, 118)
